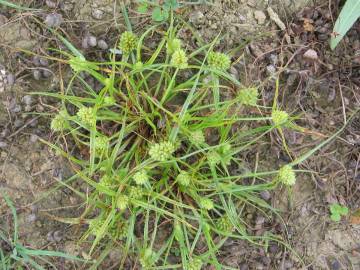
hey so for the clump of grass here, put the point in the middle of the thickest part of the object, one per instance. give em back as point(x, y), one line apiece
point(157, 183)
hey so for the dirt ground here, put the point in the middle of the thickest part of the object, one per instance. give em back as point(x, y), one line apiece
point(321, 85)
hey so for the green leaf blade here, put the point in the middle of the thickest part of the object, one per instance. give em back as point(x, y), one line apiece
point(347, 17)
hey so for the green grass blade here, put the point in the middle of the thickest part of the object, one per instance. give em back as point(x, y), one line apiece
point(347, 17)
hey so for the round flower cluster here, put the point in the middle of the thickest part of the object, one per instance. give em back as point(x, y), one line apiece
point(197, 137)
point(213, 158)
point(179, 59)
point(224, 224)
point(248, 96)
point(101, 143)
point(128, 42)
point(183, 178)
point(287, 175)
point(95, 226)
point(279, 117)
point(141, 177)
point(173, 45)
point(106, 181)
point(59, 122)
point(194, 264)
point(87, 115)
point(135, 192)
point(120, 230)
point(219, 60)
point(206, 203)
point(162, 151)
point(122, 202)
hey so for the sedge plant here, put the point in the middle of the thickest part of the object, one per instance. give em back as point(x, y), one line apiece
point(162, 143)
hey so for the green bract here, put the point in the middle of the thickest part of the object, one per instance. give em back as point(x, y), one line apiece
point(128, 42)
point(219, 61)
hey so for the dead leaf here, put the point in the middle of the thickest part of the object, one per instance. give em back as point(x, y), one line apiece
point(355, 217)
point(308, 26)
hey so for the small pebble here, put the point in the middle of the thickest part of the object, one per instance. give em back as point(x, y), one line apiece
point(273, 248)
point(335, 265)
point(34, 138)
point(102, 44)
point(97, 14)
point(36, 60)
point(44, 62)
point(16, 109)
point(50, 4)
point(311, 54)
point(53, 20)
point(3, 145)
point(31, 218)
point(10, 79)
point(36, 74)
point(244, 266)
point(58, 236)
point(92, 41)
point(265, 195)
point(27, 99)
point(18, 123)
point(46, 73)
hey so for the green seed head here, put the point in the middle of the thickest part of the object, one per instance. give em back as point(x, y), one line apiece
point(197, 137)
point(287, 175)
point(87, 116)
point(248, 96)
point(162, 151)
point(106, 181)
point(122, 202)
point(101, 143)
point(224, 224)
point(128, 42)
point(173, 45)
point(119, 230)
point(141, 177)
point(206, 204)
point(219, 61)
point(179, 59)
point(213, 158)
point(136, 192)
point(183, 178)
point(194, 264)
point(59, 122)
point(95, 226)
point(279, 117)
